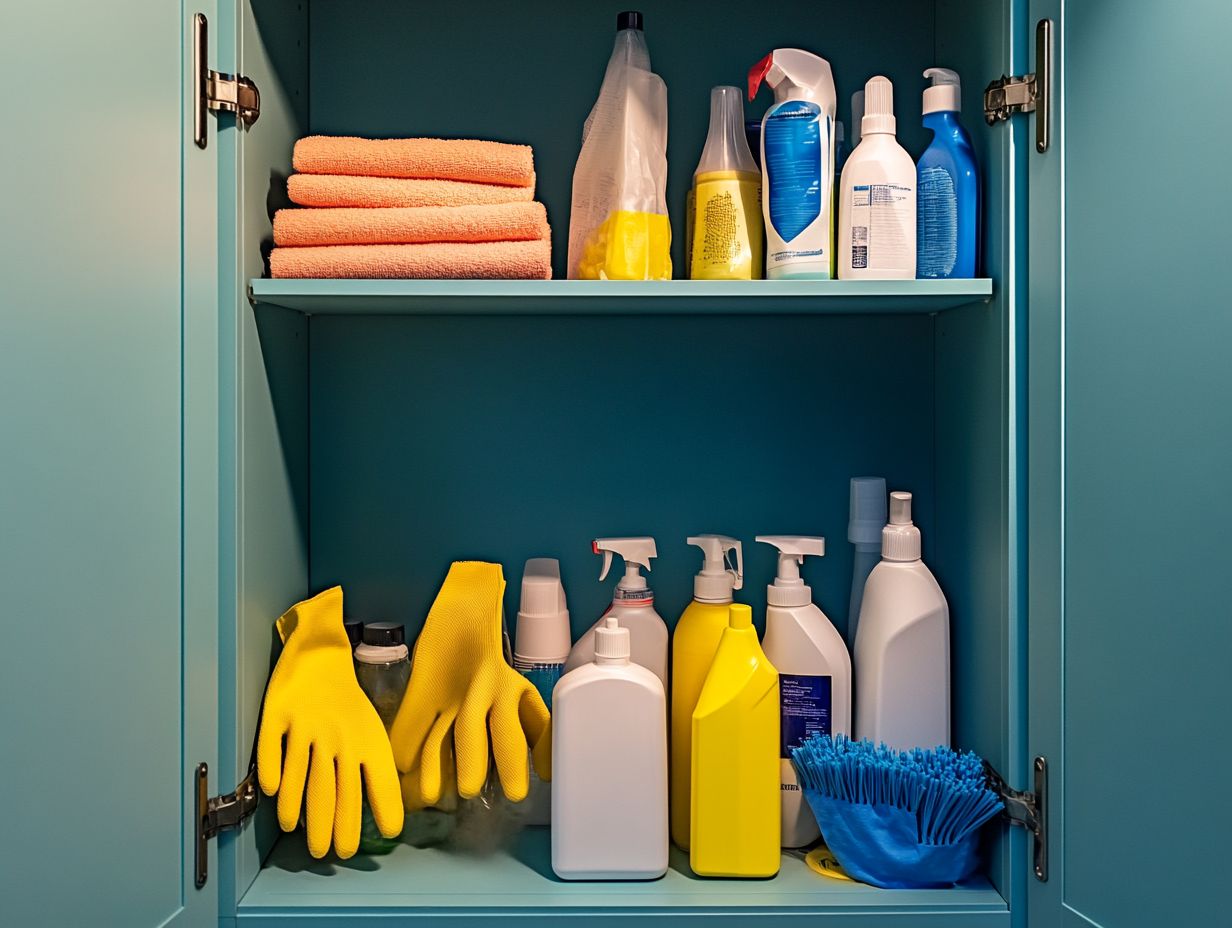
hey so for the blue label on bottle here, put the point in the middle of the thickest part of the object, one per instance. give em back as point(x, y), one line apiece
point(804, 709)
point(795, 143)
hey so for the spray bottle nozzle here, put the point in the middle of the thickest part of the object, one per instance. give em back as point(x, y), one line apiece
point(717, 578)
point(635, 551)
point(788, 589)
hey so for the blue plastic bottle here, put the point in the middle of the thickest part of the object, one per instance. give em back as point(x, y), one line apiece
point(948, 187)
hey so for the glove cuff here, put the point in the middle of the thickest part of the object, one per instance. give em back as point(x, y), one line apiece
point(315, 622)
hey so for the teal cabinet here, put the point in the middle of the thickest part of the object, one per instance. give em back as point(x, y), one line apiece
point(190, 447)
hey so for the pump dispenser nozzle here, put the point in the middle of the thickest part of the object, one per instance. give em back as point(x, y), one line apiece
point(900, 539)
point(945, 92)
point(717, 578)
point(788, 589)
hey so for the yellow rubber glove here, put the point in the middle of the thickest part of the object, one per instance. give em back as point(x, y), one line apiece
point(314, 701)
point(460, 680)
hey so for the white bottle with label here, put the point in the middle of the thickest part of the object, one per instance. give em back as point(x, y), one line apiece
point(609, 767)
point(814, 674)
point(902, 652)
point(877, 200)
point(633, 606)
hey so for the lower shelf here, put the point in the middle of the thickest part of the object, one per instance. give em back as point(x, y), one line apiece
point(424, 886)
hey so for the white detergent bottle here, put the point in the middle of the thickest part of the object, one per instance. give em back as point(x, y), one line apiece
point(633, 607)
point(877, 198)
point(814, 674)
point(902, 653)
point(797, 163)
point(609, 767)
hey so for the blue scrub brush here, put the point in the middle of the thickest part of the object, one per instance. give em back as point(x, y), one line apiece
point(897, 819)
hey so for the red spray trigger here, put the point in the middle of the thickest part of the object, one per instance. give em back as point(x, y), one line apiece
point(758, 72)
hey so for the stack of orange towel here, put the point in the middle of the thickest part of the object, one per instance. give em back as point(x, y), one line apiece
point(415, 208)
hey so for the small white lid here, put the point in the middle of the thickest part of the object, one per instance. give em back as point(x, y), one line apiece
point(611, 642)
point(900, 539)
point(878, 106)
point(542, 630)
point(867, 515)
point(945, 93)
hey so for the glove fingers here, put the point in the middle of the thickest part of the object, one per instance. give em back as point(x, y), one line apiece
point(322, 797)
point(349, 812)
point(294, 773)
point(430, 760)
point(269, 751)
point(536, 722)
point(411, 725)
point(509, 748)
point(470, 742)
point(384, 794)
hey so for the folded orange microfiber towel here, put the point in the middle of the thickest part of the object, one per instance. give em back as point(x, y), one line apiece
point(340, 190)
point(439, 159)
point(502, 222)
point(438, 261)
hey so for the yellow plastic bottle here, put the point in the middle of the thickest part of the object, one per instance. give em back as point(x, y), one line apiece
point(694, 644)
point(735, 797)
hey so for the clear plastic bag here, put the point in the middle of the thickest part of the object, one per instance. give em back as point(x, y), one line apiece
point(618, 225)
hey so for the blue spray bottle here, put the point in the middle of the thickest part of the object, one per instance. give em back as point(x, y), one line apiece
point(948, 185)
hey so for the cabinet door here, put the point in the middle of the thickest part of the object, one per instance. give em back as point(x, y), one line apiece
point(1130, 454)
point(106, 691)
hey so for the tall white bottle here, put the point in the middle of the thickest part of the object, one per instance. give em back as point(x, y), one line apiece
point(814, 674)
point(609, 767)
point(877, 200)
point(902, 653)
point(633, 606)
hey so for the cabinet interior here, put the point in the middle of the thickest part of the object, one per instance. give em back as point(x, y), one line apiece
point(371, 451)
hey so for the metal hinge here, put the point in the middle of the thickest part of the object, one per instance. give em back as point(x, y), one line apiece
point(1030, 810)
point(1030, 93)
point(218, 93)
point(216, 814)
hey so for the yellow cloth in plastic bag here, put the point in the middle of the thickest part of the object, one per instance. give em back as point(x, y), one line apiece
point(628, 245)
point(461, 681)
point(314, 701)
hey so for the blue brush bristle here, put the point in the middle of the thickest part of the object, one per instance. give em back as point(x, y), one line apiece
point(946, 791)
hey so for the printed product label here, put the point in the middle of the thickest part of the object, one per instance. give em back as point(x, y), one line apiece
point(804, 708)
point(882, 220)
point(796, 145)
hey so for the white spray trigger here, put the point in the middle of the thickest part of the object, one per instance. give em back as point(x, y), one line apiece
point(788, 588)
point(717, 578)
point(636, 552)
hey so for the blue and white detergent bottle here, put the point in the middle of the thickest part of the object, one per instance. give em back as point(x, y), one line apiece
point(797, 163)
point(948, 187)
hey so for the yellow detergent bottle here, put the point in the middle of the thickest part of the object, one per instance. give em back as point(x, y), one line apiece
point(725, 233)
point(694, 644)
point(735, 797)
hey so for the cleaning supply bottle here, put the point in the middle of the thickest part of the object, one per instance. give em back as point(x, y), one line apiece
point(877, 201)
point(814, 674)
point(866, 519)
point(902, 653)
point(947, 228)
point(694, 643)
point(735, 829)
point(383, 669)
point(542, 634)
point(797, 162)
point(725, 228)
point(633, 607)
point(609, 767)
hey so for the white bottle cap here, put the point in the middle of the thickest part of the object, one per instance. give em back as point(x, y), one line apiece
point(945, 94)
point(868, 510)
point(542, 631)
point(900, 539)
point(611, 642)
point(878, 106)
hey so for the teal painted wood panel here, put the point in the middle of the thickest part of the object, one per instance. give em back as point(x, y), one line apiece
point(1143, 635)
point(427, 886)
point(91, 672)
point(586, 298)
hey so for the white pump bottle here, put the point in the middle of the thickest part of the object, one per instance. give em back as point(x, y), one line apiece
point(814, 673)
point(633, 607)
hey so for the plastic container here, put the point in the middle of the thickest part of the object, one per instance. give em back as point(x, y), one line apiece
point(632, 605)
point(383, 669)
point(725, 235)
point(902, 653)
point(814, 675)
point(797, 161)
point(948, 222)
point(609, 767)
point(877, 200)
point(866, 520)
point(694, 643)
point(735, 830)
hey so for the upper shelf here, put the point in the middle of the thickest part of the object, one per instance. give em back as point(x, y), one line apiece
point(610, 297)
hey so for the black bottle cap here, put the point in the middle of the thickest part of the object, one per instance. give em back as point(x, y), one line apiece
point(384, 634)
point(629, 19)
point(355, 631)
